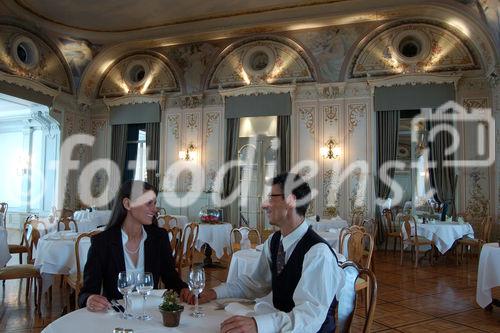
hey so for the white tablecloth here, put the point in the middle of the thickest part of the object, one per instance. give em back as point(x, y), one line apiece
point(83, 321)
point(88, 221)
point(444, 234)
point(488, 274)
point(4, 247)
point(215, 235)
point(55, 254)
point(325, 225)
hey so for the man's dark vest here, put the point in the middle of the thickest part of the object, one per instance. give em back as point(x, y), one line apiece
point(284, 284)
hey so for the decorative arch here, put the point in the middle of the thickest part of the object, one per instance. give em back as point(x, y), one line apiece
point(261, 60)
point(125, 78)
point(437, 49)
point(29, 60)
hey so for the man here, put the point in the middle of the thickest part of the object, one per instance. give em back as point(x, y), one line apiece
point(296, 264)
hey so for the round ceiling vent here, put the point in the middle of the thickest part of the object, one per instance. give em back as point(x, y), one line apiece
point(136, 72)
point(25, 52)
point(411, 46)
point(258, 60)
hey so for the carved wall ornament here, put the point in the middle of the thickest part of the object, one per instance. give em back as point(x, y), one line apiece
point(307, 115)
point(331, 113)
point(191, 121)
point(212, 118)
point(477, 203)
point(475, 103)
point(331, 189)
point(190, 102)
point(98, 124)
point(173, 124)
point(331, 92)
point(355, 111)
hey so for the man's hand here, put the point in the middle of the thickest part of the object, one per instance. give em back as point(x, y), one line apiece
point(97, 303)
point(239, 324)
point(205, 297)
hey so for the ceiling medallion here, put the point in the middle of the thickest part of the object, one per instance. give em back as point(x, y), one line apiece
point(258, 61)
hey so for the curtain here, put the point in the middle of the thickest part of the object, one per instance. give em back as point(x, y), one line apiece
point(283, 132)
point(443, 179)
point(118, 150)
point(387, 148)
point(230, 154)
point(153, 145)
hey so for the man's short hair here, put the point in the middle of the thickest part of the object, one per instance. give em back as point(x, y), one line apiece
point(294, 184)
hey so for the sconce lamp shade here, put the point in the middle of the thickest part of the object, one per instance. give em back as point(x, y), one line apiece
point(331, 150)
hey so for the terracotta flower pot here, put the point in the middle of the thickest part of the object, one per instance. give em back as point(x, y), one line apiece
point(171, 318)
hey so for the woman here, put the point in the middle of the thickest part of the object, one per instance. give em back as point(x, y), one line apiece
point(131, 242)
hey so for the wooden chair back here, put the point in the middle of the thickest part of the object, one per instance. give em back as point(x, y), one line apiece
point(186, 250)
point(388, 219)
point(4, 207)
point(31, 235)
point(162, 211)
point(408, 222)
point(61, 214)
point(67, 224)
point(347, 297)
point(167, 221)
point(77, 251)
point(371, 227)
point(357, 218)
point(485, 229)
point(360, 246)
point(238, 234)
point(175, 236)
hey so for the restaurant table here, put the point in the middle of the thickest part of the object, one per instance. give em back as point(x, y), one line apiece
point(326, 224)
point(55, 254)
point(217, 236)
point(84, 321)
point(88, 221)
point(4, 247)
point(488, 273)
point(444, 234)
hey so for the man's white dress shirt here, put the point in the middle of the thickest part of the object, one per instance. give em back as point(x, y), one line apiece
point(321, 280)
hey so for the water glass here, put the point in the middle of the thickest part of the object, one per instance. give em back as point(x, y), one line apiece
point(126, 283)
point(196, 284)
point(144, 284)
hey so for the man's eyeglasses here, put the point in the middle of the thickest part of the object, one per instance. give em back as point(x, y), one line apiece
point(270, 196)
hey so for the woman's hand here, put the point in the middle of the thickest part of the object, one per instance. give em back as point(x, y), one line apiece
point(97, 303)
point(185, 295)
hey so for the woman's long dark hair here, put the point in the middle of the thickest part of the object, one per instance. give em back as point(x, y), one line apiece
point(119, 212)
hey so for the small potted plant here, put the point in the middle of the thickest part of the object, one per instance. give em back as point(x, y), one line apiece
point(170, 309)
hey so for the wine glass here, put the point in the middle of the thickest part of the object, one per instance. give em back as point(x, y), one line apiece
point(196, 284)
point(126, 283)
point(144, 285)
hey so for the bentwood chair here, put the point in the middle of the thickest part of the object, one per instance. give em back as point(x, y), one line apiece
point(75, 281)
point(23, 247)
point(31, 235)
point(476, 243)
point(67, 224)
point(413, 239)
point(357, 218)
point(187, 248)
point(391, 229)
point(242, 234)
point(167, 220)
point(4, 207)
point(348, 294)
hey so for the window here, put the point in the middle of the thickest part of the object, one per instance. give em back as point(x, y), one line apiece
point(136, 156)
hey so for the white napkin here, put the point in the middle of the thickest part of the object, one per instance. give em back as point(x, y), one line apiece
point(135, 302)
point(259, 247)
point(449, 219)
point(460, 220)
point(238, 309)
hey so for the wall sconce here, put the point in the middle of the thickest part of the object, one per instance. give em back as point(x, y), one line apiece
point(331, 150)
point(189, 154)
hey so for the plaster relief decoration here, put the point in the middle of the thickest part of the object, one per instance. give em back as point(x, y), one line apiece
point(477, 201)
point(25, 55)
point(357, 198)
point(261, 62)
point(212, 121)
point(413, 48)
point(173, 125)
point(330, 113)
point(332, 193)
point(329, 47)
point(192, 121)
point(193, 60)
point(355, 111)
point(98, 124)
point(475, 103)
point(307, 117)
point(190, 102)
point(138, 74)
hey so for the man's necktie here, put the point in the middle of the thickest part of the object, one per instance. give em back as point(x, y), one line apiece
point(280, 258)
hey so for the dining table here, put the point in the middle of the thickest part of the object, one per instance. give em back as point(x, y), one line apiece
point(488, 274)
point(84, 321)
point(327, 224)
point(4, 247)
